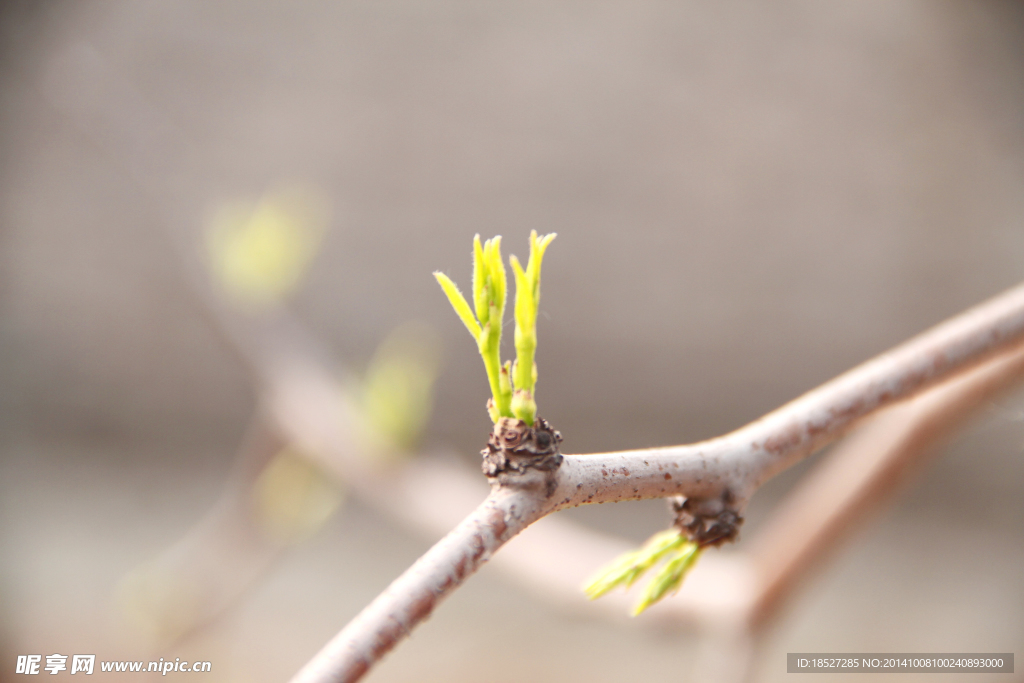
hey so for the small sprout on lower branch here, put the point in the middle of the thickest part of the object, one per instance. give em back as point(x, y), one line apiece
point(629, 567)
point(670, 577)
point(513, 386)
point(672, 547)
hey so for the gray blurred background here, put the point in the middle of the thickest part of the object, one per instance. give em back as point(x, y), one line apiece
point(750, 199)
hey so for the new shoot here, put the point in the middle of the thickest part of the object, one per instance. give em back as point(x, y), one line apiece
point(513, 385)
point(677, 552)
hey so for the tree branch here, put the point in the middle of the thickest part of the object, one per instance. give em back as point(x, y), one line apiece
point(726, 470)
point(743, 460)
point(842, 493)
point(862, 474)
point(413, 596)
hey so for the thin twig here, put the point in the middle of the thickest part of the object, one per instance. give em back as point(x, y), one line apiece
point(730, 467)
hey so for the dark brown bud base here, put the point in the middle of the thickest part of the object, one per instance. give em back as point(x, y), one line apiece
point(711, 521)
point(515, 451)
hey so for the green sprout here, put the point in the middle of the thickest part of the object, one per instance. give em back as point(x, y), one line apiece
point(678, 552)
point(512, 385)
point(524, 406)
point(398, 387)
point(293, 498)
point(259, 252)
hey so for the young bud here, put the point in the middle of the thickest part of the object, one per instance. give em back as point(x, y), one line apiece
point(489, 297)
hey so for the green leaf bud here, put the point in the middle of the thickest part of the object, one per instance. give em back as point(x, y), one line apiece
point(629, 567)
point(459, 303)
point(670, 577)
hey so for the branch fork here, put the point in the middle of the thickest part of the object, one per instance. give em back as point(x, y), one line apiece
point(737, 463)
